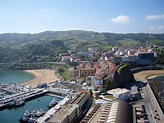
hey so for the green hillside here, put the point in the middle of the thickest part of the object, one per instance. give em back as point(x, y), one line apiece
point(45, 46)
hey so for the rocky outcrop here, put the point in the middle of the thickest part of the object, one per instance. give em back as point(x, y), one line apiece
point(123, 76)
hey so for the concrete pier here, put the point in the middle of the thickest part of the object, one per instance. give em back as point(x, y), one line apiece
point(23, 95)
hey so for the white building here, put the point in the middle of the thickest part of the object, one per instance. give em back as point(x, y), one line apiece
point(96, 81)
point(120, 93)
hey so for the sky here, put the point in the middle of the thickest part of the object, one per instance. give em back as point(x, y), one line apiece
point(113, 16)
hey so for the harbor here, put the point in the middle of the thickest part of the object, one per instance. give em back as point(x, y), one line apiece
point(16, 98)
point(12, 115)
point(16, 94)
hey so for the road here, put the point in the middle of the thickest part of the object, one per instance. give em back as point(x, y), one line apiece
point(152, 107)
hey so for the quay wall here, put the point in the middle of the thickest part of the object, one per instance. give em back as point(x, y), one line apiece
point(4, 106)
point(57, 93)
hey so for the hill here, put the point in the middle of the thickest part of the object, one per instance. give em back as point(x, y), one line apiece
point(45, 46)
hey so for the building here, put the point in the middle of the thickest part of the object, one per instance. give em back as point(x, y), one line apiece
point(120, 94)
point(132, 52)
point(146, 56)
point(117, 59)
point(66, 58)
point(114, 49)
point(64, 54)
point(66, 115)
point(129, 58)
point(70, 112)
point(96, 81)
point(112, 112)
point(132, 58)
point(84, 72)
point(107, 55)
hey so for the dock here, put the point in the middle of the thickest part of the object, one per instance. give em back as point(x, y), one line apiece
point(26, 96)
point(53, 110)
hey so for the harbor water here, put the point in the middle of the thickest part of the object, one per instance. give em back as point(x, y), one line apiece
point(11, 115)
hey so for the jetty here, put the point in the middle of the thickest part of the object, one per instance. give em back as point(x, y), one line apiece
point(26, 96)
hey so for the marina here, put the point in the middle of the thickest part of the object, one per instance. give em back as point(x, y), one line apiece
point(35, 104)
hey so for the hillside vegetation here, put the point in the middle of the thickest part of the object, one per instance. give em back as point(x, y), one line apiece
point(45, 46)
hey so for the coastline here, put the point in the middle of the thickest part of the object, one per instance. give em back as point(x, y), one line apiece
point(149, 73)
point(41, 76)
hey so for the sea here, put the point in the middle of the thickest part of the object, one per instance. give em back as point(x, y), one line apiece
point(159, 78)
point(12, 115)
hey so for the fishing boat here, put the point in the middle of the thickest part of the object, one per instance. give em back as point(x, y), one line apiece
point(39, 113)
point(23, 119)
point(19, 102)
point(27, 113)
point(31, 116)
point(52, 103)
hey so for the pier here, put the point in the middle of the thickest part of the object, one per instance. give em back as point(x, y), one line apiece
point(26, 96)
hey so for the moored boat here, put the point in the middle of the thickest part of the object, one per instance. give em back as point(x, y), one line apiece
point(23, 119)
point(39, 113)
point(52, 103)
point(19, 102)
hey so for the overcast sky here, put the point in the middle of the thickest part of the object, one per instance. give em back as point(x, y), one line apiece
point(118, 16)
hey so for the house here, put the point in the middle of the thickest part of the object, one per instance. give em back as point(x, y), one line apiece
point(84, 72)
point(114, 49)
point(66, 58)
point(64, 54)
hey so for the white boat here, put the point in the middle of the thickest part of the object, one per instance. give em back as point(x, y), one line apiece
point(52, 103)
point(19, 102)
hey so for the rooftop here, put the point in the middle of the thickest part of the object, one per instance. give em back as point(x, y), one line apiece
point(63, 113)
point(118, 91)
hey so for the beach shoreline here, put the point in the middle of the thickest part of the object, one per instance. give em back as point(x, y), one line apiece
point(143, 75)
point(40, 76)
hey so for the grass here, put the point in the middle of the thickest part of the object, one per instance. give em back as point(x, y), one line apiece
point(129, 42)
point(67, 75)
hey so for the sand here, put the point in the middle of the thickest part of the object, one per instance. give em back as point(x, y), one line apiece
point(41, 76)
point(145, 74)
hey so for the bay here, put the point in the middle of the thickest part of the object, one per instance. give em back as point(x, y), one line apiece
point(15, 76)
point(12, 115)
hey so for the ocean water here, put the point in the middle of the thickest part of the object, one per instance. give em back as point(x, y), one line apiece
point(15, 76)
point(12, 115)
point(159, 78)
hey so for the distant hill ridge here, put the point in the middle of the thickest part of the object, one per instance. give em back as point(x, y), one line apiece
point(83, 36)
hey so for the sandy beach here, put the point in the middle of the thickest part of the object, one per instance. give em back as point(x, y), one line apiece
point(41, 76)
point(145, 74)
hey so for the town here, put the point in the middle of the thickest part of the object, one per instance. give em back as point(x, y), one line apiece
point(102, 91)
